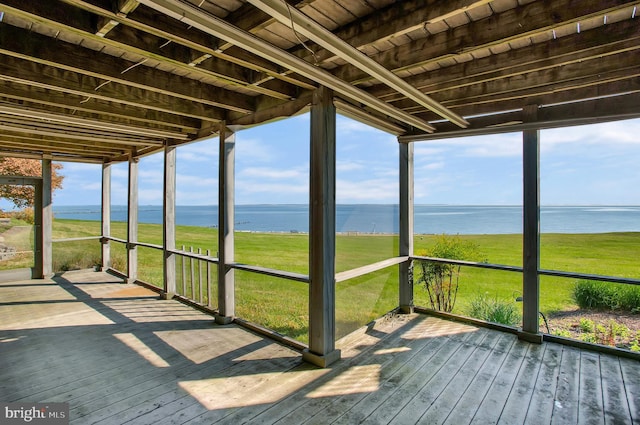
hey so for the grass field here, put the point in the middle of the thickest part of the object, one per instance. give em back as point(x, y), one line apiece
point(282, 305)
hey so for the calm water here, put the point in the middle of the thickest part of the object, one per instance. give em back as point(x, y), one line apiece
point(384, 218)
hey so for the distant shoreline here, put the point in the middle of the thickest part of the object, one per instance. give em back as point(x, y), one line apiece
point(384, 218)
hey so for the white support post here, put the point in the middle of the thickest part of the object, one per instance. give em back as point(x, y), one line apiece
point(322, 231)
point(132, 221)
point(106, 216)
point(47, 220)
point(406, 227)
point(226, 219)
point(531, 230)
point(169, 222)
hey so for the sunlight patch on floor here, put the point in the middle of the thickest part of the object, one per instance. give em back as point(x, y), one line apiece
point(355, 380)
point(393, 350)
point(203, 345)
point(432, 327)
point(133, 342)
point(250, 389)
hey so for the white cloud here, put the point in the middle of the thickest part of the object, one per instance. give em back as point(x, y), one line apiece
point(273, 173)
point(433, 166)
point(150, 197)
point(202, 151)
point(348, 165)
point(374, 191)
point(253, 150)
point(186, 181)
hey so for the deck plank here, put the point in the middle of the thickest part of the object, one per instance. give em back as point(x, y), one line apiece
point(631, 374)
point(590, 410)
point(541, 405)
point(438, 405)
point(491, 406)
point(616, 406)
point(522, 390)
point(438, 370)
point(565, 407)
point(475, 392)
point(119, 355)
point(383, 351)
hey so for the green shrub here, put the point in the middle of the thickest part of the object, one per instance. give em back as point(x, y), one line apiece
point(607, 296)
point(586, 325)
point(439, 279)
point(562, 332)
point(494, 310)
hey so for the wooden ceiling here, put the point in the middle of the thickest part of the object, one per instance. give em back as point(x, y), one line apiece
point(104, 80)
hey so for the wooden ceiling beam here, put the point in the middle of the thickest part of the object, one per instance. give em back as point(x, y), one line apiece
point(44, 76)
point(85, 123)
point(42, 49)
point(549, 97)
point(392, 21)
point(194, 16)
point(571, 76)
point(602, 42)
point(521, 23)
point(55, 146)
point(310, 29)
point(592, 111)
point(123, 8)
point(15, 128)
point(147, 21)
point(66, 18)
point(36, 97)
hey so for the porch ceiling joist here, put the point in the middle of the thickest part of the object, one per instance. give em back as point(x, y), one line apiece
point(90, 124)
point(192, 15)
point(189, 39)
point(511, 26)
point(66, 24)
point(302, 24)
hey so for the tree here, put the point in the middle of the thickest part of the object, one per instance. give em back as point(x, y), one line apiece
point(23, 196)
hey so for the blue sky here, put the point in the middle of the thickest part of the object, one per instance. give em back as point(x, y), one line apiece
point(594, 164)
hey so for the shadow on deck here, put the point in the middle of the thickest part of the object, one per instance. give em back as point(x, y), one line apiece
point(119, 355)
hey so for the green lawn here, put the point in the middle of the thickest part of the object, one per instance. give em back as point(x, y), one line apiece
point(282, 305)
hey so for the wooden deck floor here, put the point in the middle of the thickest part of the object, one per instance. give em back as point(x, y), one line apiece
point(119, 355)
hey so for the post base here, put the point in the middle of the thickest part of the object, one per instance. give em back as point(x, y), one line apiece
point(167, 295)
point(319, 360)
point(405, 309)
point(223, 320)
point(530, 337)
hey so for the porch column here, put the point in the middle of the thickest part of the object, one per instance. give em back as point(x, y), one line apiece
point(531, 229)
point(47, 220)
point(406, 227)
point(105, 217)
point(169, 222)
point(37, 271)
point(226, 218)
point(322, 231)
point(132, 221)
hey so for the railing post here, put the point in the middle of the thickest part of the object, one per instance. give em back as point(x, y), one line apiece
point(322, 231)
point(132, 221)
point(169, 222)
point(406, 227)
point(105, 216)
point(531, 230)
point(226, 212)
